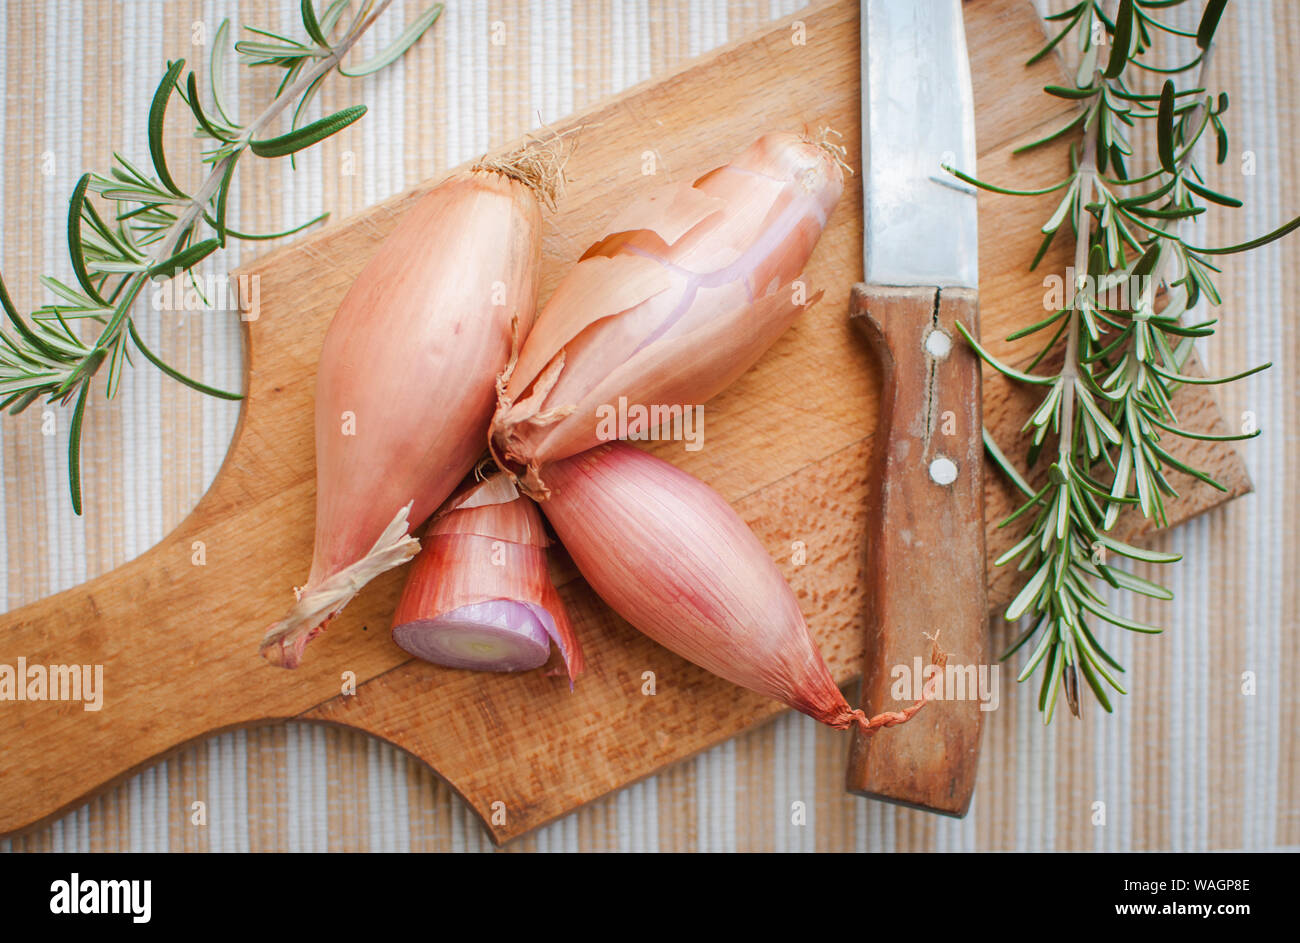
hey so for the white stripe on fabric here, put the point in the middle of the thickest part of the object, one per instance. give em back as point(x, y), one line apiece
point(550, 60)
point(61, 137)
point(715, 798)
point(222, 360)
point(4, 476)
point(1269, 393)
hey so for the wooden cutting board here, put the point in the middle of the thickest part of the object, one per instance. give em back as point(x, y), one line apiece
point(788, 445)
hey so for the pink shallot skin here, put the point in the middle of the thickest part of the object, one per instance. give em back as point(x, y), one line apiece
point(688, 288)
point(413, 354)
point(670, 556)
point(406, 383)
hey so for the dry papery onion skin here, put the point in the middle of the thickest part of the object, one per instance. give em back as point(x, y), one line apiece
point(686, 289)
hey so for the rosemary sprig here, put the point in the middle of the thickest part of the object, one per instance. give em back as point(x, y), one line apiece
point(1123, 335)
point(157, 229)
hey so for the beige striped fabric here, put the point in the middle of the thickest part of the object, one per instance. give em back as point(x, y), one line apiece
point(1187, 762)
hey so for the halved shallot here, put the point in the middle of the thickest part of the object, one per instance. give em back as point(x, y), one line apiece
point(406, 381)
point(479, 594)
point(670, 556)
point(687, 288)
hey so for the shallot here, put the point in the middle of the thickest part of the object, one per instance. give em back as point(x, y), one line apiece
point(405, 383)
point(684, 292)
point(479, 594)
point(669, 555)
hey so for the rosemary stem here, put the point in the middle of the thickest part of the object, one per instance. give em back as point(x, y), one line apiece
point(209, 188)
point(1110, 400)
point(163, 230)
point(190, 216)
point(1087, 177)
point(193, 212)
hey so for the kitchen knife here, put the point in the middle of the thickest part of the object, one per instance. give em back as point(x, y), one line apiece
point(925, 538)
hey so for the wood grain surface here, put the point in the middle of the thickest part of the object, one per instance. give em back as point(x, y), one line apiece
point(925, 585)
point(788, 444)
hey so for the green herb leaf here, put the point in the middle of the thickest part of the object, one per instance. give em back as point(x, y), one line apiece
point(1122, 42)
point(1210, 22)
point(398, 48)
point(1165, 129)
point(312, 26)
point(185, 259)
point(176, 374)
point(76, 207)
point(197, 107)
point(308, 135)
point(157, 117)
point(74, 449)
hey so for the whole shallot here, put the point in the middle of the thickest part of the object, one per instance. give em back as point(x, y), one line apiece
point(685, 291)
point(670, 556)
point(406, 381)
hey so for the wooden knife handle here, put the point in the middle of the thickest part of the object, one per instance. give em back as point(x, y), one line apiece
point(925, 549)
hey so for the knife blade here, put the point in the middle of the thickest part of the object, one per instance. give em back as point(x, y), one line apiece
point(925, 539)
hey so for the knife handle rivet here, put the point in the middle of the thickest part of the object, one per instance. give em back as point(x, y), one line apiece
point(943, 471)
point(938, 344)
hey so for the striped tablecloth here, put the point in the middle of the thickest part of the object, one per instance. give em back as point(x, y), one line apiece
point(1187, 761)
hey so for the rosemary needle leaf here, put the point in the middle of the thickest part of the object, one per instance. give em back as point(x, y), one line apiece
point(1138, 553)
point(1264, 240)
point(1138, 584)
point(1004, 463)
point(1061, 91)
point(1069, 28)
point(1205, 436)
point(985, 185)
point(1071, 13)
point(308, 135)
point(1025, 637)
point(1165, 128)
point(195, 106)
point(305, 102)
point(1027, 593)
point(1098, 690)
point(223, 198)
point(1208, 381)
point(1210, 22)
point(75, 252)
point(176, 374)
point(1040, 650)
point(217, 67)
point(1058, 133)
point(998, 365)
point(157, 116)
point(1111, 617)
point(21, 326)
point(398, 48)
point(186, 258)
point(255, 237)
point(1015, 551)
point(74, 449)
point(1042, 249)
point(1122, 41)
point(311, 25)
point(1051, 685)
point(1206, 193)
